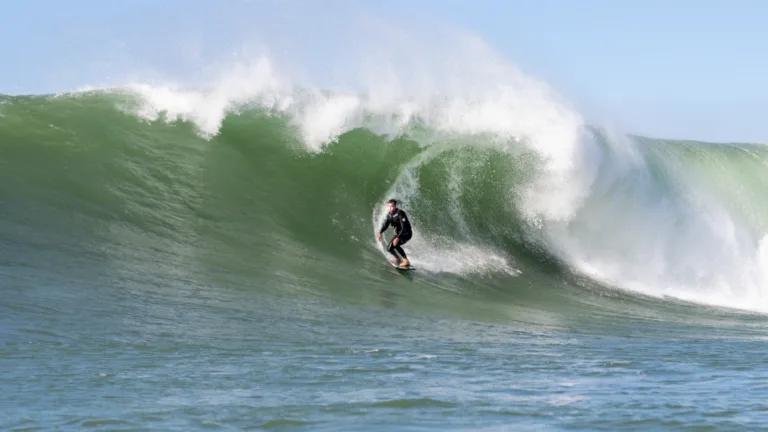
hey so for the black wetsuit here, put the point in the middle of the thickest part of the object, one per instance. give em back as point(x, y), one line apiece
point(403, 232)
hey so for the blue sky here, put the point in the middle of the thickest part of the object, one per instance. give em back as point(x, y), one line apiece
point(677, 69)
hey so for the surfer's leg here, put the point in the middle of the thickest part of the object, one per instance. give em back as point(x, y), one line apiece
point(399, 247)
point(391, 249)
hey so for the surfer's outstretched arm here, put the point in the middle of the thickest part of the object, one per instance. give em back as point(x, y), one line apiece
point(384, 226)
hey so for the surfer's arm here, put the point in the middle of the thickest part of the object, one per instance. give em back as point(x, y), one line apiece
point(384, 226)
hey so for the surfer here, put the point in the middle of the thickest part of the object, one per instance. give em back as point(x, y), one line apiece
point(397, 218)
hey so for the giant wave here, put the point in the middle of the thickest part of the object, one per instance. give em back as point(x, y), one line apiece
point(263, 178)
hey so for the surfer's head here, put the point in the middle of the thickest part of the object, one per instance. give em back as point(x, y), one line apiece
point(392, 205)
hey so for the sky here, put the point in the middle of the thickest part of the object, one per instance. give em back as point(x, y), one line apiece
point(680, 69)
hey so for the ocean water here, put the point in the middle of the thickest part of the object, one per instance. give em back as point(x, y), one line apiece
point(181, 259)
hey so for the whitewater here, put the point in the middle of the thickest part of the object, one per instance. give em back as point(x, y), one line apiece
point(184, 257)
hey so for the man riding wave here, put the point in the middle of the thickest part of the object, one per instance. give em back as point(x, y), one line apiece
point(398, 219)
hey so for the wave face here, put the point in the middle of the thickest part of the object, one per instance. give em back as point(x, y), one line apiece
point(259, 178)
